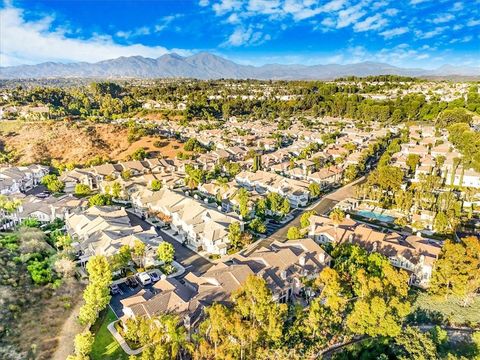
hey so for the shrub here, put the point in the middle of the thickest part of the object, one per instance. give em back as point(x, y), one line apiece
point(40, 272)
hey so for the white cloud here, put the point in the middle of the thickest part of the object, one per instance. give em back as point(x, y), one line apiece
point(473, 22)
point(416, 2)
point(374, 22)
point(388, 34)
point(30, 42)
point(457, 6)
point(442, 18)
point(246, 36)
point(432, 33)
point(350, 16)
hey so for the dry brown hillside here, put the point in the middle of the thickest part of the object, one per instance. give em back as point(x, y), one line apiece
point(75, 142)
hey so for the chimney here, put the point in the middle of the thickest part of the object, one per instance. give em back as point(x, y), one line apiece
point(374, 248)
point(283, 275)
point(419, 234)
point(321, 257)
point(347, 216)
point(302, 260)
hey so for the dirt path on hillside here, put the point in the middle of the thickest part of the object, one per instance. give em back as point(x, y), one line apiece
point(70, 328)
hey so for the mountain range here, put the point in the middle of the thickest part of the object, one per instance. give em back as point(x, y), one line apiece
point(209, 66)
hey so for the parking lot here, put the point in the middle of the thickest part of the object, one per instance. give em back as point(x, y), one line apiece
point(125, 292)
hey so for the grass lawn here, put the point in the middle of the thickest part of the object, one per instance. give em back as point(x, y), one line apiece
point(450, 308)
point(105, 347)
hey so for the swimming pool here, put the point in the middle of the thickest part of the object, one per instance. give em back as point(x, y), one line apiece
point(376, 216)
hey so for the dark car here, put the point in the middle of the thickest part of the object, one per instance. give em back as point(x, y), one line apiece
point(114, 289)
point(132, 282)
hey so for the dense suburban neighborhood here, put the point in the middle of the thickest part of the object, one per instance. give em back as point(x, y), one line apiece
point(270, 225)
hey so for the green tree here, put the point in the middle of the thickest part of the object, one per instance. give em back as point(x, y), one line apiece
point(305, 218)
point(412, 344)
point(139, 250)
point(155, 185)
point(412, 162)
point(243, 198)
point(82, 190)
point(314, 190)
point(457, 271)
point(100, 200)
point(294, 233)
point(83, 343)
point(116, 190)
point(258, 226)
point(97, 292)
point(139, 154)
point(52, 183)
point(166, 253)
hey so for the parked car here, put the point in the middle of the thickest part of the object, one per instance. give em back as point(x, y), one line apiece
point(114, 289)
point(154, 276)
point(132, 282)
point(144, 278)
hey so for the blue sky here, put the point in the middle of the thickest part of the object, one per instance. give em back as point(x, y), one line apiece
point(413, 33)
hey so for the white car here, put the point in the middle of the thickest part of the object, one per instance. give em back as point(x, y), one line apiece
point(144, 278)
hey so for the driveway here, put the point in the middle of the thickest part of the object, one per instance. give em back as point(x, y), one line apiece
point(189, 259)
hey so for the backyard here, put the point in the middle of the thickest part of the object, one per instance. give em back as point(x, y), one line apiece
point(105, 347)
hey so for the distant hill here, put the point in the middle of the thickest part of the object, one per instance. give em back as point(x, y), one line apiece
point(208, 66)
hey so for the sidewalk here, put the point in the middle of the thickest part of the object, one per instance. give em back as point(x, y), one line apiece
point(121, 341)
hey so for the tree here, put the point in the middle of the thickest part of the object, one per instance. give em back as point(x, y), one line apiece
point(457, 271)
point(337, 216)
point(285, 207)
point(100, 200)
point(440, 223)
point(82, 190)
point(254, 302)
point(234, 234)
point(412, 162)
point(243, 199)
point(453, 116)
point(83, 343)
point(258, 226)
point(305, 218)
point(155, 185)
point(138, 251)
point(411, 343)
point(139, 154)
point(166, 253)
point(52, 183)
point(63, 241)
point(121, 259)
point(97, 292)
point(314, 190)
point(293, 233)
point(116, 190)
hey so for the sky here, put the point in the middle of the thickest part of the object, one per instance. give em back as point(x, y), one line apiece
point(407, 33)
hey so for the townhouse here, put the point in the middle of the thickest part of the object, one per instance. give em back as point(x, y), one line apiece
point(103, 230)
point(198, 225)
point(412, 253)
point(284, 267)
point(14, 179)
point(296, 191)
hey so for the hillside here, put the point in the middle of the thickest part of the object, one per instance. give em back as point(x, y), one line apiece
point(75, 142)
